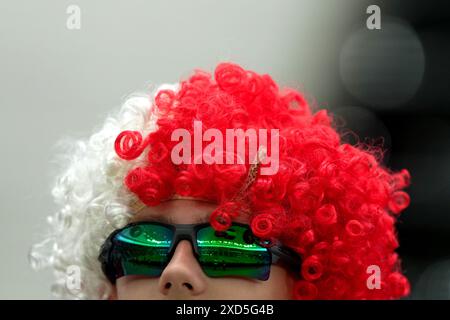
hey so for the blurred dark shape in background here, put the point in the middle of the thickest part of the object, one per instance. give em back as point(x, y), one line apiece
point(396, 84)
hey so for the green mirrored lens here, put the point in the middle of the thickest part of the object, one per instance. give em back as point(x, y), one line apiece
point(232, 253)
point(141, 250)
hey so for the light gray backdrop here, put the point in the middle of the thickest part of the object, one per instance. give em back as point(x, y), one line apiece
point(58, 82)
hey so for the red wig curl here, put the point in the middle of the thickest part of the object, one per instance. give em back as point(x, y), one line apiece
point(333, 203)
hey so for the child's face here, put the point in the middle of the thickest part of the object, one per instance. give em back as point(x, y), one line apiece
point(183, 277)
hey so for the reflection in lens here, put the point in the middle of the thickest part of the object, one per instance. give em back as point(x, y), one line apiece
point(141, 250)
point(230, 254)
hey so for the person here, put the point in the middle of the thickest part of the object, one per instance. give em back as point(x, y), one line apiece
point(225, 186)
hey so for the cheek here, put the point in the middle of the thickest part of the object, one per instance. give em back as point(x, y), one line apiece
point(278, 287)
point(137, 288)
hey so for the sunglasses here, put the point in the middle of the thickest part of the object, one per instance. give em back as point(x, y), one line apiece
point(146, 248)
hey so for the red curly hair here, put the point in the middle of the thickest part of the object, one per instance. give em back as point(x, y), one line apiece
point(331, 202)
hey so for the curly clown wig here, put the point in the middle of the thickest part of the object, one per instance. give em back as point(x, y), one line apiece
point(333, 203)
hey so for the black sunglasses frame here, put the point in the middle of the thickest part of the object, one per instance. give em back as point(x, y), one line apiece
point(279, 253)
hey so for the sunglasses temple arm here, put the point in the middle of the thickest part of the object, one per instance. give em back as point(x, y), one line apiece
point(283, 254)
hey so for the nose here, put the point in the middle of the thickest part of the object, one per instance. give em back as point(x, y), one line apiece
point(183, 276)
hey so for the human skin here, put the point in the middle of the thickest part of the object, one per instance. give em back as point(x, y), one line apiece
point(183, 278)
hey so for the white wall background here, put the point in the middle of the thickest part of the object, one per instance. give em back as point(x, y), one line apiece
point(57, 82)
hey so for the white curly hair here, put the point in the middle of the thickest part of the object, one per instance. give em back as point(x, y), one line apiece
point(92, 200)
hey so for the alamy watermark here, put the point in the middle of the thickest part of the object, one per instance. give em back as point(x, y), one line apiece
point(73, 21)
point(374, 20)
point(231, 149)
point(73, 279)
point(374, 280)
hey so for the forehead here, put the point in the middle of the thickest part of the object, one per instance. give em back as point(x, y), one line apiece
point(180, 211)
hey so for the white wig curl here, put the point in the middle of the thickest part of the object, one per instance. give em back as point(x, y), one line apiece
point(92, 201)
